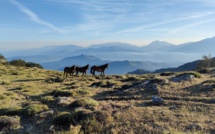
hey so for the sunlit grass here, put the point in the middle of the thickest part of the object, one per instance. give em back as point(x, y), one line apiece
point(113, 104)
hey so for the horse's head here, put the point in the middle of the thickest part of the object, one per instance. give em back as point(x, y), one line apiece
point(107, 65)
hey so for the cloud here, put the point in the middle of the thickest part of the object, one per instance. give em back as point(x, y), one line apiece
point(189, 26)
point(143, 27)
point(34, 17)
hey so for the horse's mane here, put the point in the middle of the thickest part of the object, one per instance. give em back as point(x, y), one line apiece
point(83, 67)
point(105, 65)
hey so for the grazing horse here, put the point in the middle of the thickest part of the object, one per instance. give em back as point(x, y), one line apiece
point(82, 69)
point(99, 69)
point(69, 70)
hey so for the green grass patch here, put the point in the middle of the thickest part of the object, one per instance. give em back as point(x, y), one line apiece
point(196, 74)
point(31, 110)
point(84, 102)
point(47, 99)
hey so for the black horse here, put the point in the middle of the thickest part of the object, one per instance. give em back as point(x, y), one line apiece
point(83, 70)
point(99, 69)
point(69, 70)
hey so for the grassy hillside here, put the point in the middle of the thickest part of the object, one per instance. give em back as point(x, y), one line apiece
point(35, 101)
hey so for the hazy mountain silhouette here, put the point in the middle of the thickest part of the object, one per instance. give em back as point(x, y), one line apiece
point(47, 50)
point(158, 46)
point(123, 67)
point(190, 66)
point(79, 60)
point(206, 46)
point(157, 51)
point(116, 44)
point(115, 67)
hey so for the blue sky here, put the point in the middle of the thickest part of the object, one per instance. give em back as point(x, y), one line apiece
point(35, 23)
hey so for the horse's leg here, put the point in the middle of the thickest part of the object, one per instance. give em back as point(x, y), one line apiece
point(76, 73)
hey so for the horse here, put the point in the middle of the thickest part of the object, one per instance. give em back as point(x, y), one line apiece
point(99, 69)
point(69, 70)
point(82, 69)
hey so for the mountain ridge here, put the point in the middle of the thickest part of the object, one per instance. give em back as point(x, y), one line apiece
point(156, 51)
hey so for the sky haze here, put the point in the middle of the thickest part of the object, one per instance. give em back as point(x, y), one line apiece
point(29, 24)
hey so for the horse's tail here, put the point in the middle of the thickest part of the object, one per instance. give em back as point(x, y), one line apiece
point(91, 70)
point(64, 72)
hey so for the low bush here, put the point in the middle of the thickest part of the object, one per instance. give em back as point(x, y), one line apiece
point(47, 99)
point(167, 74)
point(31, 110)
point(196, 74)
point(204, 71)
point(32, 64)
point(7, 122)
point(130, 79)
point(84, 102)
point(62, 120)
point(60, 93)
point(5, 82)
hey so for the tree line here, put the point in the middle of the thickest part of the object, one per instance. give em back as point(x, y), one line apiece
point(207, 62)
point(20, 62)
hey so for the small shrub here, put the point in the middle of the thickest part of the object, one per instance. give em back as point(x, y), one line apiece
point(14, 72)
point(95, 122)
point(5, 82)
point(2, 97)
point(62, 120)
point(60, 93)
point(7, 122)
point(92, 126)
point(31, 110)
point(2, 56)
point(9, 94)
point(65, 119)
point(47, 99)
point(196, 74)
point(32, 64)
point(84, 102)
point(208, 82)
point(167, 74)
point(130, 79)
point(81, 92)
point(97, 84)
point(52, 80)
point(204, 71)
point(18, 62)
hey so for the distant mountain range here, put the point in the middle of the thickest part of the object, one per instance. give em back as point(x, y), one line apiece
point(190, 66)
point(115, 67)
point(156, 55)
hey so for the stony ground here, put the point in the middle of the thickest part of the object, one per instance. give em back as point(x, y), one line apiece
point(35, 101)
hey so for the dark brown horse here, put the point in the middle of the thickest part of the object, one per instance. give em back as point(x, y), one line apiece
point(69, 70)
point(99, 69)
point(82, 70)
